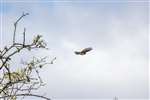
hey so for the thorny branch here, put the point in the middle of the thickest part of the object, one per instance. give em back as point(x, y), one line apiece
point(21, 82)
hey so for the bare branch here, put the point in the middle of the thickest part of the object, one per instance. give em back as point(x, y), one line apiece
point(15, 25)
point(24, 36)
point(33, 95)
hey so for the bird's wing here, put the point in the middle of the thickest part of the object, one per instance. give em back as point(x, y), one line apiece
point(77, 53)
point(83, 52)
point(86, 50)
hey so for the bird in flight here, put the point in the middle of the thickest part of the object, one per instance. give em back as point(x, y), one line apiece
point(83, 51)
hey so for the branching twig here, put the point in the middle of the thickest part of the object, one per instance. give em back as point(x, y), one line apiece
point(15, 25)
point(33, 95)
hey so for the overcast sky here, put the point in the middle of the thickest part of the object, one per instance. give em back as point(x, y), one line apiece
point(117, 31)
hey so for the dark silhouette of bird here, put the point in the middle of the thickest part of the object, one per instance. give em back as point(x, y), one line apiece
point(83, 52)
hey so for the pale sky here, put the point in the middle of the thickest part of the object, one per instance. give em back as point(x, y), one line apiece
point(116, 30)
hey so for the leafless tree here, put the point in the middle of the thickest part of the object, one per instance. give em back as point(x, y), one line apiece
point(22, 82)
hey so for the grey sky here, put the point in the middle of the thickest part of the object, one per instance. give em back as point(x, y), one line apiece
point(118, 33)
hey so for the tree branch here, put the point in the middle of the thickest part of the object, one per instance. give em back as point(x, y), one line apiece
point(33, 95)
point(24, 38)
point(15, 25)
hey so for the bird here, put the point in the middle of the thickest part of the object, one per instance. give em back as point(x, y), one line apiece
point(83, 51)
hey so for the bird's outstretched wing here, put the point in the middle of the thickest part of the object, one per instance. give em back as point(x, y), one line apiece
point(84, 51)
point(77, 52)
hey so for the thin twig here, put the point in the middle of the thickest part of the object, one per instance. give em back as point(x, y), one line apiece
point(15, 25)
point(24, 36)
